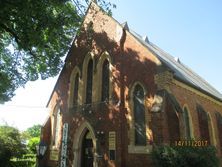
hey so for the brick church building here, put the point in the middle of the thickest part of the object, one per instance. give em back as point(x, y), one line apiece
point(119, 94)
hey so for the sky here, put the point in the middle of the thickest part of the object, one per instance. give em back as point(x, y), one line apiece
point(190, 30)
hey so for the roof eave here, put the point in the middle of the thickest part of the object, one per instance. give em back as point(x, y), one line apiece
point(197, 88)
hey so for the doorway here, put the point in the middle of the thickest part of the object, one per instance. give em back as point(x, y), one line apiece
point(87, 150)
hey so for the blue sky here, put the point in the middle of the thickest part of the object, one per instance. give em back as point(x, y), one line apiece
point(190, 30)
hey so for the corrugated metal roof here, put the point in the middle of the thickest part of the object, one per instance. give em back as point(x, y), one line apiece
point(180, 70)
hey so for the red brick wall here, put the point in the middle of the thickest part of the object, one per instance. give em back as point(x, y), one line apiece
point(191, 99)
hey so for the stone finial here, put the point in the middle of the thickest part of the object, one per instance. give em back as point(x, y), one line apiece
point(125, 26)
point(177, 59)
point(145, 38)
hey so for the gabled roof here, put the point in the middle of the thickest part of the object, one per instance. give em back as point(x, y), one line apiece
point(181, 71)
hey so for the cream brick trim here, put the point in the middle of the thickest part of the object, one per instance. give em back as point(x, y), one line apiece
point(140, 149)
point(56, 111)
point(163, 80)
point(77, 144)
point(132, 148)
point(211, 129)
point(189, 88)
point(75, 71)
point(190, 121)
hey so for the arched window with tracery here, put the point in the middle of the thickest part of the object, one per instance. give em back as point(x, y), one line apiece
point(105, 81)
point(139, 115)
point(186, 120)
point(76, 90)
point(89, 82)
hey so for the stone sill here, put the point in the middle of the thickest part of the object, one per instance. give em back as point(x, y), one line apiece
point(140, 149)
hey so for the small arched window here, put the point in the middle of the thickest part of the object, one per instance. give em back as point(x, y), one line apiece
point(105, 81)
point(139, 116)
point(76, 89)
point(186, 121)
point(89, 82)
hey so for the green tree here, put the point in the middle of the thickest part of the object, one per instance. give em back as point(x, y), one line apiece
point(33, 131)
point(10, 144)
point(34, 36)
point(32, 143)
point(31, 136)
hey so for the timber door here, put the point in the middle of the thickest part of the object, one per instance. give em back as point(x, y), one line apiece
point(87, 151)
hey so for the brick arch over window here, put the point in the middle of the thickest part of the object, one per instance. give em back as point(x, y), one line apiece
point(203, 124)
point(211, 130)
point(187, 123)
point(74, 88)
point(219, 128)
point(87, 79)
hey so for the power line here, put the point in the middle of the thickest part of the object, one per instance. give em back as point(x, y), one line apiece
point(23, 106)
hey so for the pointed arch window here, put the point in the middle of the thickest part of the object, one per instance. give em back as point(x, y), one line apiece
point(89, 82)
point(219, 128)
point(105, 81)
point(186, 120)
point(203, 124)
point(139, 116)
point(76, 90)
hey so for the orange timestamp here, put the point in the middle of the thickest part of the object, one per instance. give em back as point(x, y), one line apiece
point(191, 143)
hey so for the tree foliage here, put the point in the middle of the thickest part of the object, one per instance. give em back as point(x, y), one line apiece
point(33, 131)
point(34, 36)
point(32, 137)
point(33, 142)
point(10, 144)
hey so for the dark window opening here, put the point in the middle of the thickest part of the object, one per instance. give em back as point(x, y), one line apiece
point(219, 128)
point(75, 93)
point(139, 116)
point(89, 82)
point(105, 81)
point(186, 124)
point(203, 124)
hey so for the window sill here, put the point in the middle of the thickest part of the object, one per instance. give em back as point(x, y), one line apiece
point(140, 149)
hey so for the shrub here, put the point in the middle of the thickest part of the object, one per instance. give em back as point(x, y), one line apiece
point(168, 156)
